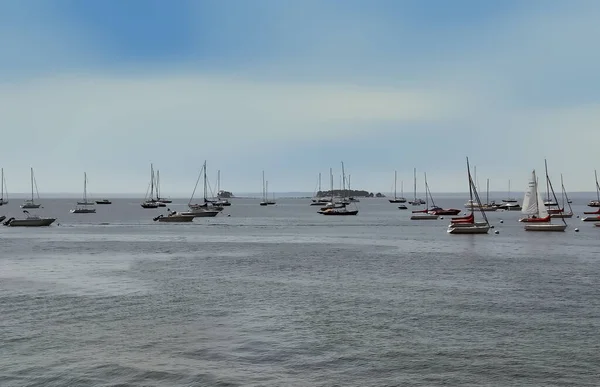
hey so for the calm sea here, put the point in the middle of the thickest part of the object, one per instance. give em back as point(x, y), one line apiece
point(282, 296)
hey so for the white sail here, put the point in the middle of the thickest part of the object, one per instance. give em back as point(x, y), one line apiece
point(530, 204)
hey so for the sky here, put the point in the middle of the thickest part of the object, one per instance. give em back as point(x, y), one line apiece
point(294, 88)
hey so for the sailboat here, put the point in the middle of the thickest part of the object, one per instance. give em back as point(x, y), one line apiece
point(30, 203)
point(424, 214)
point(488, 206)
point(341, 208)
point(84, 207)
point(161, 201)
point(416, 201)
point(533, 206)
point(596, 203)
point(397, 199)
point(150, 202)
point(317, 200)
point(265, 197)
point(509, 199)
point(549, 201)
point(3, 192)
point(467, 224)
point(220, 200)
point(560, 212)
point(202, 210)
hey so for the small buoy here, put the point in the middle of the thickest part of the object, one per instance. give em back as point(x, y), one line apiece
point(576, 230)
point(501, 221)
point(577, 216)
point(228, 215)
point(491, 226)
point(496, 232)
point(442, 217)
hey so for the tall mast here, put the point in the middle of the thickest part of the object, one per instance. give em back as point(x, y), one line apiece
point(157, 184)
point(547, 181)
point(84, 187)
point(395, 181)
point(205, 181)
point(218, 182)
point(487, 195)
point(31, 173)
point(331, 179)
point(597, 186)
point(263, 187)
point(415, 183)
point(319, 181)
point(151, 181)
point(426, 190)
point(343, 181)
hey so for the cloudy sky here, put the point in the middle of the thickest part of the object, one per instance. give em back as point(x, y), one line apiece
point(295, 87)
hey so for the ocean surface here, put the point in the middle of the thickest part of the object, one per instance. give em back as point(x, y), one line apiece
point(283, 296)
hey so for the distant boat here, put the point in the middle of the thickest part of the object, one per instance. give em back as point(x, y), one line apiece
point(150, 202)
point(508, 198)
point(424, 214)
point(467, 224)
point(533, 205)
point(338, 209)
point(265, 198)
point(30, 203)
point(397, 199)
point(103, 201)
point(596, 203)
point(202, 210)
point(161, 201)
point(560, 212)
point(174, 217)
point(84, 207)
point(416, 201)
point(3, 192)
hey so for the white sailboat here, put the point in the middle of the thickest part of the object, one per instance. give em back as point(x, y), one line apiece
point(416, 201)
point(30, 203)
point(162, 202)
point(85, 206)
point(595, 203)
point(221, 201)
point(533, 206)
point(202, 210)
point(3, 192)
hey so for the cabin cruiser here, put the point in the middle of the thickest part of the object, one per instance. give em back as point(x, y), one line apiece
point(29, 221)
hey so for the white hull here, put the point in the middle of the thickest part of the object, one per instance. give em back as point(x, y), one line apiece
point(469, 229)
point(466, 225)
point(201, 213)
point(591, 219)
point(30, 205)
point(544, 227)
point(424, 217)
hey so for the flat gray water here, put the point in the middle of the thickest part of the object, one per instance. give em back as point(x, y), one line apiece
point(282, 296)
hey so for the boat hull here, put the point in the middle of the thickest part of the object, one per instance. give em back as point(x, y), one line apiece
point(175, 219)
point(468, 228)
point(545, 227)
point(340, 213)
point(201, 214)
point(424, 217)
point(103, 202)
point(397, 200)
point(43, 222)
point(30, 206)
point(591, 219)
point(561, 216)
point(84, 211)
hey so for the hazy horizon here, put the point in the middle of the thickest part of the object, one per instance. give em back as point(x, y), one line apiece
point(293, 88)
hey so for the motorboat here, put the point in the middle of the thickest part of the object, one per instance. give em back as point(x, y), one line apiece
point(29, 221)
point(174, 217)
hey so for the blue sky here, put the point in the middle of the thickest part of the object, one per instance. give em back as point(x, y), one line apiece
point(294, 87)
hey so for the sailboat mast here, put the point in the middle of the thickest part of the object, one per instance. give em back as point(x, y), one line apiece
point(319, 181)
point(426, 190)
point(84, 187)
point(263, 186)
point(205, 181)
point(395, 181)
point(31, 173)
point(331, 180)
point(597, 186)
point(343, 181)
point(151, 181)
point(415, 182)
point(487, 195)
point(547, 181)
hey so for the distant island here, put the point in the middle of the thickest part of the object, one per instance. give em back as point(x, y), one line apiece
point(353, 193)
point(225, 194)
